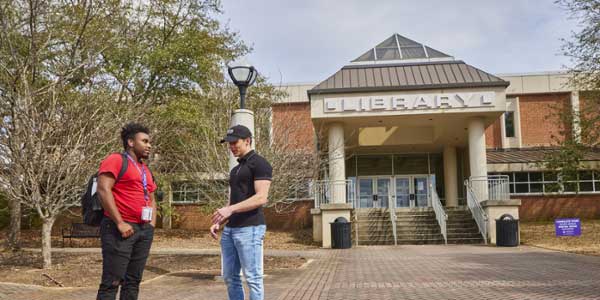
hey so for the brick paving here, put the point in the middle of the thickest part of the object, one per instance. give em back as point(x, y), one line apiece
point(381, 272)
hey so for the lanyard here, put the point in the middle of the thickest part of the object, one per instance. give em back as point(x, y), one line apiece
point(142, 172)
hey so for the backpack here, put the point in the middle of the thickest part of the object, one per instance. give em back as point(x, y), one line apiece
point(91, 208)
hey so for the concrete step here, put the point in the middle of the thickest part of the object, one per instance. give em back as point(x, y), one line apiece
point(461, 218)
point(421, 242)
point(419, 213)
point(419, 223)
point(415, 218)
point(466, 241)
point(462, 229)
point(400, 242)
point(465, 223)
point(464, 235)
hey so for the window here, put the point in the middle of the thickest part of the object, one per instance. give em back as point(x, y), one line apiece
point(551, 182)
point(509, 124)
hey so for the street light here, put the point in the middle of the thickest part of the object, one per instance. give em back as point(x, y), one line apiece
point(243, 76)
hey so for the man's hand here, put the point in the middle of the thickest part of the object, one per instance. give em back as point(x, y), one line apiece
point(221, 215)
point(125, 229)
point(213, 231)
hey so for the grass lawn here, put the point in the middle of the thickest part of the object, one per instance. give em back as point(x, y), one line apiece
point(542, 234)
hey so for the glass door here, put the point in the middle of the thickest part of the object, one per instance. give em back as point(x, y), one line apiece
point(374, 192)
point(403, 192)
point(383, 192)
point(421, 191)
point(365, 192)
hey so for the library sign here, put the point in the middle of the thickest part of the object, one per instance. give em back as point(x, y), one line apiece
point(409, 102)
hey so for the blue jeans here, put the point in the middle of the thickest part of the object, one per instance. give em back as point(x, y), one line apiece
point(242, 249)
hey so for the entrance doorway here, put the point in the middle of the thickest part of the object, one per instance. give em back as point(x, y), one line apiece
point(406, 190)
point(412, 191)
point(374, 192)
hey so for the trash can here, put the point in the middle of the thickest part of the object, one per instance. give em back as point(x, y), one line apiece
point(507, 231)
point(340, 234)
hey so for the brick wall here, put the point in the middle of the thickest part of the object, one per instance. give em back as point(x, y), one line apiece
point(292, 126)
point(549, 207)
point(493, 135)
point(538, 118)
point(589, 106)
point(298, 216)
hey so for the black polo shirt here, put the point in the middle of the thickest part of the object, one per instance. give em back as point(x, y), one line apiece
point(251, 167)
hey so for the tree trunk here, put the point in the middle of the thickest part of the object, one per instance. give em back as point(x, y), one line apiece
point(47, 242)
point(14, 235)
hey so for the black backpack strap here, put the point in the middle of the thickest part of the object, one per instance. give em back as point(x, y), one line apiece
point(124, 165)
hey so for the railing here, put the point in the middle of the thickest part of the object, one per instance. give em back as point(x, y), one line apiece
point(334, 191)
point(440, 213)
point(477, 211)
point(393, 217)
point(493, 187)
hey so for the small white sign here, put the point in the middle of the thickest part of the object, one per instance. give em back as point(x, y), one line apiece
point(420, 186)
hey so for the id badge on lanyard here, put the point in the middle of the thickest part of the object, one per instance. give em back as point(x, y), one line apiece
point(146, 210)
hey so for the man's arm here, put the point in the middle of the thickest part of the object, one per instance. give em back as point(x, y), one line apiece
point(259, 199)
point(106, 181)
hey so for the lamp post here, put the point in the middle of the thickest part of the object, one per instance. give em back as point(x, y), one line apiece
point(243, 76)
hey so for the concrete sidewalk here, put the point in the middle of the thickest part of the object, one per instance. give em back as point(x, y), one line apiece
point(379, 273)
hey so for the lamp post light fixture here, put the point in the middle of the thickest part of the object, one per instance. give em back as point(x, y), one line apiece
point(243, 76)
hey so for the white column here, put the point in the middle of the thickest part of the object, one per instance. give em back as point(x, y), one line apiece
point(450, 180)
point(337, 168)
point(477, 156)
point(242, 117)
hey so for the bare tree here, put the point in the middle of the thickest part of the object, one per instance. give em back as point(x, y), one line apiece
point(190, 150)
point(46, 110)
point(72, 72)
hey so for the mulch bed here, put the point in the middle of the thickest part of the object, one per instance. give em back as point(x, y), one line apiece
point(179, 238)
point(84, 270)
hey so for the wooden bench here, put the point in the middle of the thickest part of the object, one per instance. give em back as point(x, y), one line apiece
point(79, 231)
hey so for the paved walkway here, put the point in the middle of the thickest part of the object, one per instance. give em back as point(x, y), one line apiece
point(403, 272)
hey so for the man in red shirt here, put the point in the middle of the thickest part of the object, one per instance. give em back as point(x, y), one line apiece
point(127, 229)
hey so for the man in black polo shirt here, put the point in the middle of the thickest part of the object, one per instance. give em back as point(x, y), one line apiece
point(242, 238)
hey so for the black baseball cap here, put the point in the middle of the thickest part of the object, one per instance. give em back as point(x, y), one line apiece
point(237, 132)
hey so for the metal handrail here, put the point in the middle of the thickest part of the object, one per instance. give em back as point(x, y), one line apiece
point(323, 190)
point(491, 187)
point(477, 211)
point(440, 214)
point(393, 217)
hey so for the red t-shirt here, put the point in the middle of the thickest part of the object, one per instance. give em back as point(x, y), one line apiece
point(129, 190)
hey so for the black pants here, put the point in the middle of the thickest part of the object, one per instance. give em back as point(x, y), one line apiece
point(123, 260)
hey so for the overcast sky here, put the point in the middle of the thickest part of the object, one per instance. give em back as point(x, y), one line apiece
point(309, 40)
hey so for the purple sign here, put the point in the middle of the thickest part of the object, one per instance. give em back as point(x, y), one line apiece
point(567, 227)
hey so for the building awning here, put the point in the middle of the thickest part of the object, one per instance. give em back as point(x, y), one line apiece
point(399, 63)
point(532, 155)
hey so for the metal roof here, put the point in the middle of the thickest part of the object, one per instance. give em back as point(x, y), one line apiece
point(531, 155)
point(407, 76)
point(399, 63)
